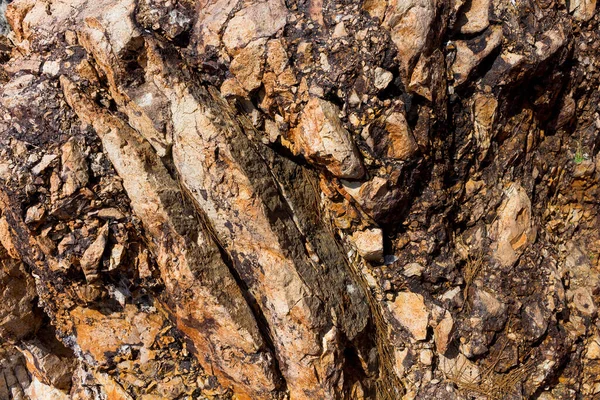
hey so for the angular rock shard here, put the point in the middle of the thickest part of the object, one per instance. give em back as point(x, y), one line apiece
point(469, 53)
point(322, 139)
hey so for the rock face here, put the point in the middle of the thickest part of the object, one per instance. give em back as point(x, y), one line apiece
point(273, 199)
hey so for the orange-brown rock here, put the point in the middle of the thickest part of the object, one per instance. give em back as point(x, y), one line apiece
point(277, 200)
point(18, 317)
point(187, 264)
point(322, 139)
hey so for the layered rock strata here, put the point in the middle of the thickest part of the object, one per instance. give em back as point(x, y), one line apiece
point(299, 200)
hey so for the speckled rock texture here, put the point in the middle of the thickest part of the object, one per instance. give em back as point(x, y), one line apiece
point(299, 200)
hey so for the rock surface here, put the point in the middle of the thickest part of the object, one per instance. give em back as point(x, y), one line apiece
point(279, 200)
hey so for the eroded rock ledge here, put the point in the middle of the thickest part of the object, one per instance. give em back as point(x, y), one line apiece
point(274, 199)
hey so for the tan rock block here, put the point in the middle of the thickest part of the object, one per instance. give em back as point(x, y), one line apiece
point(410, 311)
point(322, 139)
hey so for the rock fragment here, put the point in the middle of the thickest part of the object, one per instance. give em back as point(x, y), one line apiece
point(552, 40)
point(259, 20)
point(460, 369)
point(17, 309)
point(442, 333)
point(38, 390)
point(116, 255)
point(247, 65)
point(382, 78)
point(90, 260)
point(369, 244)
point(534, 320)
point(378, 197)
point(583, 301)
point(74, 168)
point(410, 312)
point(322, 139)
point(6, 239)
point(34, 214)
point(46, 366)
point(413, 270)
point(409, 24)
point(43, 164)
point(593, 348)
point(401, 143)
point(488, 316)
point(484, 113)
point(469, 53)
point(514, 228)
point(475, 18)
point(582, 10)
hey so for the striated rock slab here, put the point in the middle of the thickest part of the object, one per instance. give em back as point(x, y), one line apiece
point(185, 263)
point(211, 150)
